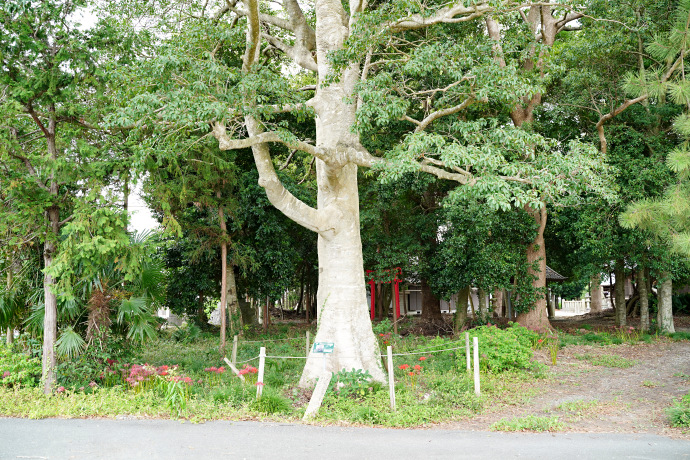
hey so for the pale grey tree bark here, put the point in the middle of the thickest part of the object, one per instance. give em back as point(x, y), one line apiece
point(619, 293)
point(665, 313)
point(596, 294)
point(644, 299)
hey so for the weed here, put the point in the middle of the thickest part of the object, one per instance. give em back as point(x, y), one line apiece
point(529, 423)
point(679, 413)
point(353, 383)
point(649, 384)
point(578, 407)
point(607, 360)
point(271, 402)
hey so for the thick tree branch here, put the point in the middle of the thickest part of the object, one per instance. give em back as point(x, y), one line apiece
point(442, 113)
point(277, 194)
point(300, 56)
point(455, 13)
point(226, 143)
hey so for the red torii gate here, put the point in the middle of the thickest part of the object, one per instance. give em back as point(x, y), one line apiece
point(396, 289)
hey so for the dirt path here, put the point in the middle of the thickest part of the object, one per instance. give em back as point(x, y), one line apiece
point(596, 398)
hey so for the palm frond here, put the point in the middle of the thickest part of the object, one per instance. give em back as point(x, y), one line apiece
point(70, 343)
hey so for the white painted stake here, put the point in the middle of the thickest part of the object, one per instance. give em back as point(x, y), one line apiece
point(317, 396)
point(260, 378)
point(233, 357)
point(234, 369)
point(476, 366)
point(391, 377)
point(467, 349)
point(308, 343)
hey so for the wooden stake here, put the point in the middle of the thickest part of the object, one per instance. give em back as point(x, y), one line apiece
point(308, 343)
point(467, 349)
point(476, 366)
point(317, 395)
point(260, 377)
point(391, 377)
point(233, 357)
point(234, 369)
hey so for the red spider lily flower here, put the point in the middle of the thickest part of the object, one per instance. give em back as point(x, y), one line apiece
point(163, 374)
point(404, 366)
point(5, 374)
point(188, 380)
point(418, 367)
point(259, 384)
point(411, 374)
point(211, 369)
point(381, 335)
point(422, 358)
point(110, 361)
point(93, 384)
point(539, 341)
point(220, 370)
point(81, 388)
point(61, 389)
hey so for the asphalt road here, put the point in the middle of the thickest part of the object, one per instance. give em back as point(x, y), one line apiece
point(166, 439)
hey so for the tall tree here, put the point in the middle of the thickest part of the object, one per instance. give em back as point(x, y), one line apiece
point(52, 88)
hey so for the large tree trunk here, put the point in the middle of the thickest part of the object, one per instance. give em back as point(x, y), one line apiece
point(644, 299)
point(596, 293)
point(248, 313)
point(461, 310)
point(431, 305)
point(665, 314)
point(343, 315)
point(537, 318)
point(619, 293)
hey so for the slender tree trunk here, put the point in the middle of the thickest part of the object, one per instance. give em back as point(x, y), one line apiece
point(223, 279)
point(461, 310)
point(551, 305)
point(537, 318)
point(497, 301)
point(644, 299)
point(49, 362)
point(10, 330)
point(596, 293)
point(483, 304)
point(665, 314)
point(619, 293)
point(231, 296)
point(431, 305)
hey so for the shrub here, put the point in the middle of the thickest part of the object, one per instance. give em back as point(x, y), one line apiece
point(18, 368)
point(500, 349)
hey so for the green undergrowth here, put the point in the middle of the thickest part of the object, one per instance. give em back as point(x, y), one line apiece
point(529, 423)
point(679, 413)
point(189, 379)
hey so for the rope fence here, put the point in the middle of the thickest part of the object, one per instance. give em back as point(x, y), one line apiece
point(321, 386)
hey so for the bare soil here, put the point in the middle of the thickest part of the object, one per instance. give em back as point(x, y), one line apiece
point(595, 398)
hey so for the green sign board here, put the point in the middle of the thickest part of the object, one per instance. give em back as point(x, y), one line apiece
point(322, 347)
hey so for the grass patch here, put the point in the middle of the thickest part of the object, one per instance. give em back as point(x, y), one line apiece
point(529, 423)
point(607, 360)
point(680, 336)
